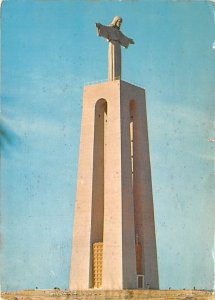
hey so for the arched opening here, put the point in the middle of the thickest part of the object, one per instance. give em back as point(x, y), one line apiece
point(98, 193)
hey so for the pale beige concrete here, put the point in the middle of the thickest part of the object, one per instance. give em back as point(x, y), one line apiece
point(111, 207)
point(142, 185)
point(81, 249)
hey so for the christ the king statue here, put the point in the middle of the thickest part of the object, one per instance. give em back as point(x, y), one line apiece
point(116, 39)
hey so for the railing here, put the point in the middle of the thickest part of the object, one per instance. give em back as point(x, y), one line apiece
point(95, 82)
point(140, 84)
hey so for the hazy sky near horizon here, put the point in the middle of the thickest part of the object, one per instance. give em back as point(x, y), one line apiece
point(50, 50)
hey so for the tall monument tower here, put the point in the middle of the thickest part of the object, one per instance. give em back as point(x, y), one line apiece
point(114, 245)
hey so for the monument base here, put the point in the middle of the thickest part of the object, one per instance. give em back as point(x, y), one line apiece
point(95, 294)
point(114, 215)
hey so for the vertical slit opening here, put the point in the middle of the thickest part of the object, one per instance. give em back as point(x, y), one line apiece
point(132, 147)
point(97, 221)
point(134, 164)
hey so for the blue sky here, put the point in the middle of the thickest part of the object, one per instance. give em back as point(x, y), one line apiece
point(49, 52)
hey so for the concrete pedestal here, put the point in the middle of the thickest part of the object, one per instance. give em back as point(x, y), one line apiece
point(114, 202)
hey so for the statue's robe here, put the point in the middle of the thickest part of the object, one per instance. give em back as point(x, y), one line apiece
point(116, 39)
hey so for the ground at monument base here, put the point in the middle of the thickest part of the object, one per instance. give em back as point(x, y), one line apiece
point(97, 294)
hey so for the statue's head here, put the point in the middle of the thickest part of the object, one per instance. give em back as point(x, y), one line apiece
point(117, 21)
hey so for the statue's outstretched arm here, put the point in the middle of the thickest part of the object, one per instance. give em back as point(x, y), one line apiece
point(131, 41)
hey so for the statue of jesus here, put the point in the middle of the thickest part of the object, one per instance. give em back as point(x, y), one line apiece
point(116, 39)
